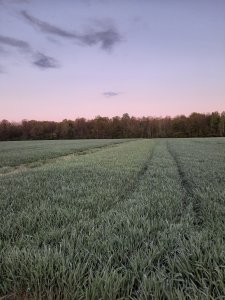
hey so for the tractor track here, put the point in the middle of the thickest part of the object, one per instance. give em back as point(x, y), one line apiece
point(131, 188)
point(188, 196)
point(11, 170)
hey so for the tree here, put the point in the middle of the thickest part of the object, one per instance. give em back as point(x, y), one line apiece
point(195, 125)
point(214, 123)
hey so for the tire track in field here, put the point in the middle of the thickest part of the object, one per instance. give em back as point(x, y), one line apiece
point(189, 196)
point(131, 188)
point(41, 162)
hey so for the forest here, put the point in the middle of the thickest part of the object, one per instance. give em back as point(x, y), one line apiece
point(194, 125)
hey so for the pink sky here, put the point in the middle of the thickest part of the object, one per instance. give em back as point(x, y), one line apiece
point(154, 59)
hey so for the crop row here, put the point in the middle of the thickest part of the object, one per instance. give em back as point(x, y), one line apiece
point(17, 153)
point(142, 220)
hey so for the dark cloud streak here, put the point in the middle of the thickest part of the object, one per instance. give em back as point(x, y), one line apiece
point(19, 44)
point(46, 27)
point(40, 60)
point(45, 62)
point(106, 37)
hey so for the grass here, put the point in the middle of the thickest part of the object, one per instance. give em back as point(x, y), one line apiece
point(137, 220)
point(22, 152)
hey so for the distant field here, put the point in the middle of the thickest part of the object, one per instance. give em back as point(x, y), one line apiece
point(141, 219)
point(16, 153)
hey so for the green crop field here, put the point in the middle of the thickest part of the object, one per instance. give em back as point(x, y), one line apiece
point(112, 219)
point(16, 153)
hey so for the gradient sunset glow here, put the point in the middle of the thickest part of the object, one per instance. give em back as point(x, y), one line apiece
point(69, 59)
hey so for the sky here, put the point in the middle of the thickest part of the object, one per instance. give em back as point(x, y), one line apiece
point(64, 59)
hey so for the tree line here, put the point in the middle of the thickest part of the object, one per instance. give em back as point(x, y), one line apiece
point(194, 125)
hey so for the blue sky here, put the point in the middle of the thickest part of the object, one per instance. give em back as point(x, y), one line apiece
point(67, 59)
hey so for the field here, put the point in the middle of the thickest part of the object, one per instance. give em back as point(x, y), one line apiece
point(17, 153)
point(112, 219)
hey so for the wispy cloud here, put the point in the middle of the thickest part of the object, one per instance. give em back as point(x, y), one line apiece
point(16, 43)
point(40, 60)
point(46, 27)
point(111, 94)
point(107, 36)
point(45, 62)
